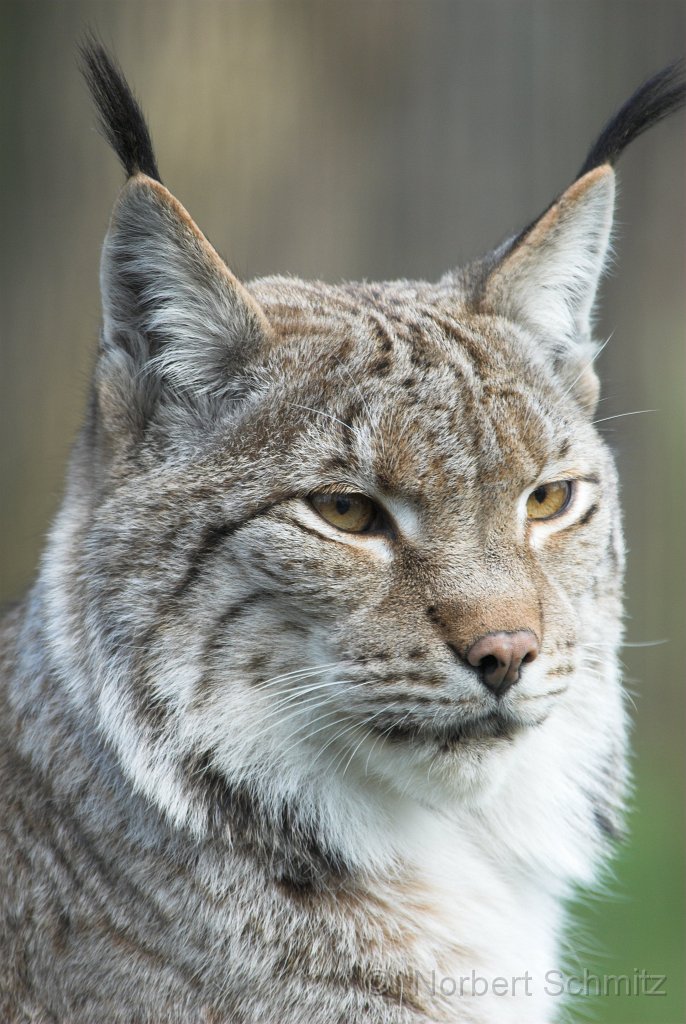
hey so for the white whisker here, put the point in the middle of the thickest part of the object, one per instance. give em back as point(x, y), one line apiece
point(293, 706)
point(367, 734)
point(620, 415)
point(587, 365)
point(297, 673)
point(306, 723)
point(342, 732)
point(646, 643)
point(277, 718)
point(328, 415)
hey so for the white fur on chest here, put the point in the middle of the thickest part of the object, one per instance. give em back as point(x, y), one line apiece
point(484, 936)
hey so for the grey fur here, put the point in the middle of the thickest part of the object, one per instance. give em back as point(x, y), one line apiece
point(182, 839)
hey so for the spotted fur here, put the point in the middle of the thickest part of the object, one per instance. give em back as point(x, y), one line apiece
point(247, 773)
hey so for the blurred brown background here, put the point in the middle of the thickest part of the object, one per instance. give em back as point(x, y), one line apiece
point(376, 139)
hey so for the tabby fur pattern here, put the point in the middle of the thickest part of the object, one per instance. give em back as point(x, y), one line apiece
point(247, 773)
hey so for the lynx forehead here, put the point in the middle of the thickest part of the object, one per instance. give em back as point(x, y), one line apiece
point(317, 690)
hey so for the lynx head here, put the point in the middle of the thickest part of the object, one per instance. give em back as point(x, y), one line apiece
point(322, 542)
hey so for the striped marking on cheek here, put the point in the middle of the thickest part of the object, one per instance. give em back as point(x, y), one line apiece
point(219, 640)
point(229, 616)
point(212, 536)
point(589, 514)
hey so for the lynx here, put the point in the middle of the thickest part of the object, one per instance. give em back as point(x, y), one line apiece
point(313, 714)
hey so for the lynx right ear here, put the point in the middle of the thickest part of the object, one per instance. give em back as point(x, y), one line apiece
point(168, 298)
point(176, 320)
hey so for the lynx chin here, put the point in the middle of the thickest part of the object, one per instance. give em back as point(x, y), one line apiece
point(315, 697)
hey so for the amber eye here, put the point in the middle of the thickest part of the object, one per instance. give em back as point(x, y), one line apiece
point(353, 513)
point(549, 500)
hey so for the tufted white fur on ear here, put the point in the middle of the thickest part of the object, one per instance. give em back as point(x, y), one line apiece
point(549, 279)
point(169, 301)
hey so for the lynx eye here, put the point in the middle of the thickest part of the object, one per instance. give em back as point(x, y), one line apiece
point(549, 500)
point(353, 513)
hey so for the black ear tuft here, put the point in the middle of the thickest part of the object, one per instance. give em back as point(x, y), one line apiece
point(656, 99)
point(121, 118)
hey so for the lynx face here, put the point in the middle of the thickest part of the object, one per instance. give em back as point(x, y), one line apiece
point(450, 423)
point(292, 570)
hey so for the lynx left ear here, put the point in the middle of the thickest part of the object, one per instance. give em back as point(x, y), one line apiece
point(548, 278)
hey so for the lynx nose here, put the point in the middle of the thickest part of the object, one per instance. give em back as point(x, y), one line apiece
point(499, 657)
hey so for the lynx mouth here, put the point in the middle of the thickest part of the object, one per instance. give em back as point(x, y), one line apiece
point(494, 726)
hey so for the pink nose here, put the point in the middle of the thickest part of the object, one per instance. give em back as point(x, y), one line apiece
point(500, 656)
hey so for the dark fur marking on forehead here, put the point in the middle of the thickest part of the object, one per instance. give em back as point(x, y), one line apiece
point(414, 334)
point(381, 367)
point(334, 465)
point(380, 333)
point(478, 353)
point(348, 440)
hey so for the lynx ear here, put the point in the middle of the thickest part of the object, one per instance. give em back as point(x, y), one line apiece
point(177, 323)
point(548, 277)
point(169, 300)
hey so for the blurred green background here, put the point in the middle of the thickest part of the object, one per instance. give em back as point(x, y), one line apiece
point(377, 139)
